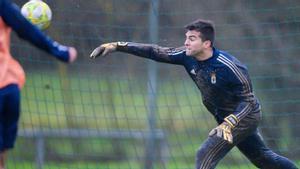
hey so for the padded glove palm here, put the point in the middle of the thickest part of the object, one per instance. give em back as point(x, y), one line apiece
point(104, 49)
point(224, 129)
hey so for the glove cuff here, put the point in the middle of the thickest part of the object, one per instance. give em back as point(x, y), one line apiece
point(232, 120)
point(121, 44)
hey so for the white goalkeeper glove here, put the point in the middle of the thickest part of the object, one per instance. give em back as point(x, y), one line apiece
point(104, 49)
point(224, 129)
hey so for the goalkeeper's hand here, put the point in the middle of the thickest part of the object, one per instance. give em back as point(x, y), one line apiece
point(104, 49)
point(224, 129)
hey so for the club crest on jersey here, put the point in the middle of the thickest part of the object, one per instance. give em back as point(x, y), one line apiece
point(213, 78)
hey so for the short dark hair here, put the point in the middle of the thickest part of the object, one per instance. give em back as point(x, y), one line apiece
point(205, 27)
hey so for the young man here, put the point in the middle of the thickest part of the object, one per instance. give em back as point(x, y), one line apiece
point(12, 76)
point(226, 92)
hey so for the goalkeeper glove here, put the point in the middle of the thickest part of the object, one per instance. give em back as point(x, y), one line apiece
point(104, 49)
point(224, 129)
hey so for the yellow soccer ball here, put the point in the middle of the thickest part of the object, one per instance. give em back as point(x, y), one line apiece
point(38, 13)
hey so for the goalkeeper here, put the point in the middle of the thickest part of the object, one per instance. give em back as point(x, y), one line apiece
point(12, 76)
point(226, 92)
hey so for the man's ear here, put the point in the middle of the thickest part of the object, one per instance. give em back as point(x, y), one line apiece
point(207, 44)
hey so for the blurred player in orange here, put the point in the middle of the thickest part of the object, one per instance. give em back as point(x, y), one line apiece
point(12, 77)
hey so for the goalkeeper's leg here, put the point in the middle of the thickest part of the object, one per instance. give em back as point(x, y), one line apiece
point(261, 156)
point(215, 148)
point(211, 152)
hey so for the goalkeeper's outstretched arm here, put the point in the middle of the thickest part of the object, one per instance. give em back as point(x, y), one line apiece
point(150, 51)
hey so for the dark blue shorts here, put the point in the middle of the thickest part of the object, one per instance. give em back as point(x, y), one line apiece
point(9, 115)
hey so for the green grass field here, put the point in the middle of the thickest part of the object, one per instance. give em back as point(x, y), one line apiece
point(83, 165)
point(124, 165)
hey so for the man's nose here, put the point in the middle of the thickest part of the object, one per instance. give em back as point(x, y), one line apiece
point(186, 43)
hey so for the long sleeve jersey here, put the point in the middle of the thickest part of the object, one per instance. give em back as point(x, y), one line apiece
point(10, 18)
point(223, 80)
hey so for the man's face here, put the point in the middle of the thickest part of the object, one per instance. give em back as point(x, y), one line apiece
point(194, 44)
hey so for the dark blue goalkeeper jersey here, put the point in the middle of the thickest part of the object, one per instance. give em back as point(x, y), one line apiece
point(11, 15)
point(223, 81)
